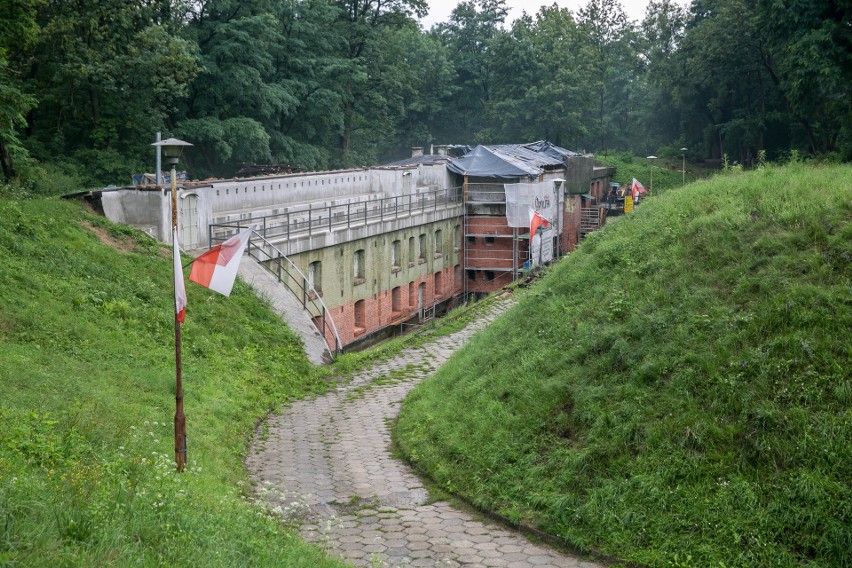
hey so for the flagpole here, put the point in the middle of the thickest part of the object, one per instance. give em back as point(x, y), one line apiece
point(180, 417)
point(172, 148)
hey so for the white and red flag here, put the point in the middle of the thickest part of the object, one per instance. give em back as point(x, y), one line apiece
point(536, 220)
point(180, 289)
point(217, 268)
point(638, 188)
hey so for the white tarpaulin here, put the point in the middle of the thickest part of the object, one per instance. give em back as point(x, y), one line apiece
point(542, 197)
point(541, 247)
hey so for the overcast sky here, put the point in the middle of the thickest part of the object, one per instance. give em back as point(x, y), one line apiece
point(439, 10)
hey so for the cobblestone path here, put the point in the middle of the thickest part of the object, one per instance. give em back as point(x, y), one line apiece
point(326, 462)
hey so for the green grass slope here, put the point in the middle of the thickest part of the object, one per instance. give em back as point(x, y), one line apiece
point(87, 403)
point(677, 391)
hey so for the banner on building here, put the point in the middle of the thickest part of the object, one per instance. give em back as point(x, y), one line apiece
point(541, 247)
point(542, 197)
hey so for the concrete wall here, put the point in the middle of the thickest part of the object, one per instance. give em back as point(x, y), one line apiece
point(275, 192)
point(579, 173)
point(147, 210)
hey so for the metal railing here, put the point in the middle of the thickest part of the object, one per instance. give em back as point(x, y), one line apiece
point(295, 280)
point(345, 215)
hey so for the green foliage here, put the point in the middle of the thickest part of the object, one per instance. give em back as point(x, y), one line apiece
point(337, 83)
point(535, 95)
point(87, 385)
point(18, 31)
point(107, 75)
point(676, 391)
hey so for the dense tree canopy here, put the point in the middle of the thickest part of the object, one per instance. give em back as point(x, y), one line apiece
point(85, 84)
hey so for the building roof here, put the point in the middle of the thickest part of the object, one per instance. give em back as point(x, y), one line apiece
point(426, 159)
point(508, 161)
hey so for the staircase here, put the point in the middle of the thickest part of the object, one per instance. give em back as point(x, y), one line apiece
point(590, 220)
point(293, 297)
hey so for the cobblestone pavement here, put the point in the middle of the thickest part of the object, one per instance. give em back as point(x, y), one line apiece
point(326, 462)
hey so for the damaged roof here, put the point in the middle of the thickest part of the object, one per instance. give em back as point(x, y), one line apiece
point(509, 161)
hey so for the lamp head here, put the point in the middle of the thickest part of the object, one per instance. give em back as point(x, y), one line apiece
point(683, 150)
point(652, 157)
point(172, 148)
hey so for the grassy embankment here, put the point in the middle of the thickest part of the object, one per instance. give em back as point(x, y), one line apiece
point(87, 402)
point(667, 174)
point(677, 391)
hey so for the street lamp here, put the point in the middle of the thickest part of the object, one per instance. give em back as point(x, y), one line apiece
point(683, 165)
point(651, 185)
point(172, 149)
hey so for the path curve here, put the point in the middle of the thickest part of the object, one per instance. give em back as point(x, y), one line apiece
point(327, 463)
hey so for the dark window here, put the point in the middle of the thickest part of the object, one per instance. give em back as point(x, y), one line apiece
point(358, 265)
point(360, 316)
point(315, 275)
point(396, 254)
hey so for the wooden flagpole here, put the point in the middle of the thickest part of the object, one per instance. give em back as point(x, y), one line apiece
point(180, 418)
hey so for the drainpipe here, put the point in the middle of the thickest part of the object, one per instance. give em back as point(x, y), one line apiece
point(159, 161)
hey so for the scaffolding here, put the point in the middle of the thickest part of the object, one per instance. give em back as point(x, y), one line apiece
point(491, 247)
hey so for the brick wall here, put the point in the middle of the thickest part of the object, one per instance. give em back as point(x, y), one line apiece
point(571, 220)
point(378, 308)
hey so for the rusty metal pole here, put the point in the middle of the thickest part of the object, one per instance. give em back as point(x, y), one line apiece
point(180, 418)
point(172, 148)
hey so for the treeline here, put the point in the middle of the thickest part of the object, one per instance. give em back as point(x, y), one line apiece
point(331, 83)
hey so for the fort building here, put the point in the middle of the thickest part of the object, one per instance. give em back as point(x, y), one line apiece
point(365, 250)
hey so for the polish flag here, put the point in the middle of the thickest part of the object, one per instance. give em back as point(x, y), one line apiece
point(180, 289)
point(638, 188)
point(536, 220)
point(217, 268)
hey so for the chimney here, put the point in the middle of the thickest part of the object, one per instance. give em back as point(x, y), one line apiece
point(442, 150)
point(416, 151)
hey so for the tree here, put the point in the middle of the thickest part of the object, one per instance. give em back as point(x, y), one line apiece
point(805, 47)
point(612, 43)
point(542, 80)
point(661, 118)
point(469, 36)
point(414, 71)
point(108, 73)
point(366, 106)
point(19, 31)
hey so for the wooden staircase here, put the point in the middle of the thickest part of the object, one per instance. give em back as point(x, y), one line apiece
point(590, 220)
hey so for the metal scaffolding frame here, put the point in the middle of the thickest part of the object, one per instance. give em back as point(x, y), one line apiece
point(506, 261)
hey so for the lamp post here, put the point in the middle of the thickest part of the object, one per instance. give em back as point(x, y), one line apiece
point(172, 149)
point(651, 184)
point(683, 165)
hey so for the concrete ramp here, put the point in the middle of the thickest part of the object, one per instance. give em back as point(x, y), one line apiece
point(287, 306)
